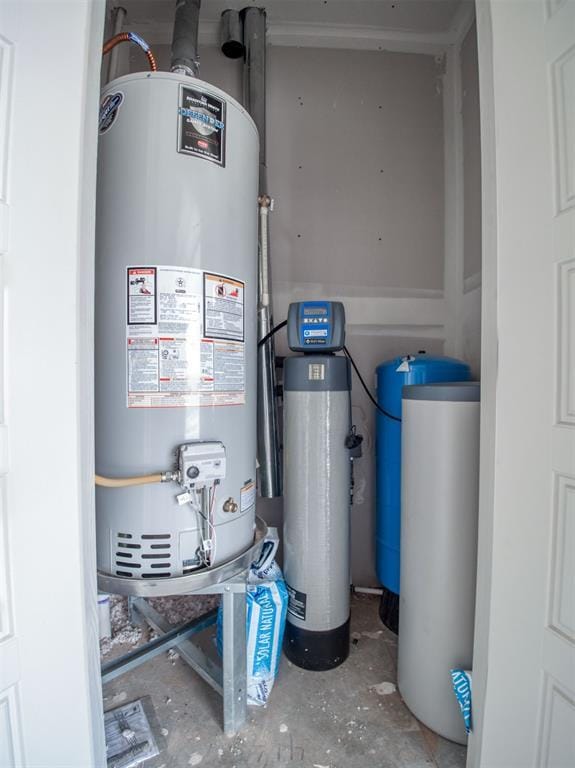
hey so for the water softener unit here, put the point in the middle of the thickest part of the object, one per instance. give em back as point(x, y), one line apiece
point(392, 376)
point(176, 280)
point(317, 478)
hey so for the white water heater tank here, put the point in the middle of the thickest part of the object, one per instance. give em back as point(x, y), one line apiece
point(175, 368)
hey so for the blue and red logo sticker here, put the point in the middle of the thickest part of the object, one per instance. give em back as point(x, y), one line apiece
point(109, 109)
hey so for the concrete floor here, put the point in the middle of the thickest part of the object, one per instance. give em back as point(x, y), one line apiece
point(344, 718)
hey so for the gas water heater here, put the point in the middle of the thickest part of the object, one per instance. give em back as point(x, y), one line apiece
point(175, 324)
point(317, 486)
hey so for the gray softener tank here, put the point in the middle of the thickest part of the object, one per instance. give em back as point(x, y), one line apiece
point(317, 480)
point(175, 366)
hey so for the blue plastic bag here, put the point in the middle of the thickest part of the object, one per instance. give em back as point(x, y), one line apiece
point(266, 607)
point(461, 681)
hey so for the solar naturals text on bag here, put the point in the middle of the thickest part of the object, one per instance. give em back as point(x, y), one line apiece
point(266, 607)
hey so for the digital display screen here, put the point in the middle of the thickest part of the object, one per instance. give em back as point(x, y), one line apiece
point(315, 310)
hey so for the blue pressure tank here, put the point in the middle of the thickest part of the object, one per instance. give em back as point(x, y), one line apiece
point(392, 376)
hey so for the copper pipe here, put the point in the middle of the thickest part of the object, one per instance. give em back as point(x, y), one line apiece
point(125, 37)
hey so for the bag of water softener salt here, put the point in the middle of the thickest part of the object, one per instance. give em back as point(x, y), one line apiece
point(266, 607)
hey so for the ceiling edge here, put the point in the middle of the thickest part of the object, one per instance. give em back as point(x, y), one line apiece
point(332, 36)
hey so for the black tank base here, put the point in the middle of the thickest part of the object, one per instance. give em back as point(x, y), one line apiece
point(389, 610)
point(317, 651)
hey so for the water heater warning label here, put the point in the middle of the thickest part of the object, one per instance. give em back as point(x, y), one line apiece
point(178, 353)
point(142, 295)
point(247, 496)
point(223, 307)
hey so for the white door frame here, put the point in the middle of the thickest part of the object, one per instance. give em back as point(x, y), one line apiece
point(489, 361)
point(50, 685)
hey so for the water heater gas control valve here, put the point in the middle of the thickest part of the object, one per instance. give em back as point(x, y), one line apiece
point(201, 463)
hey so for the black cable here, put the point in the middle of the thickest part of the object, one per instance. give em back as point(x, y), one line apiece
point(281, 325)
point(364, 385)
point(268, 336)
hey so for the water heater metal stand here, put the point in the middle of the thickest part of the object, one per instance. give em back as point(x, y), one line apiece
point(229, 580)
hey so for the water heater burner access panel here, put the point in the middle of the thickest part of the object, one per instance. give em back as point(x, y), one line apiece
point(316, 326)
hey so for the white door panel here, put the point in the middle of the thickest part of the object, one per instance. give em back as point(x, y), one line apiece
point(556, 728)
point(10, 725)
point(50, 694)
point(526, 718)
point(10, 752)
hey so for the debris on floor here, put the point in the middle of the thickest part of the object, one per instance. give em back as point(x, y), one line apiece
point(348, 717)
point(176, 610)
point(384, 689)
point(129, 737)
point(123, 633)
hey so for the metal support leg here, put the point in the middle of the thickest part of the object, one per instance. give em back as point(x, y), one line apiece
point(134, 616)
point(189, 652)
point(234, 657)
point(169, 637)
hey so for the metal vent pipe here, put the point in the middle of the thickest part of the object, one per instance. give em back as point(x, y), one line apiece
point(185, 57)
point(232, 37)
point(255, 78)
point(254, 20)
point(118, 18)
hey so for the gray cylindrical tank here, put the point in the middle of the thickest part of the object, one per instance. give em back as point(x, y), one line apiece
point(176, 269)
point(439, 505)
point(316, 538)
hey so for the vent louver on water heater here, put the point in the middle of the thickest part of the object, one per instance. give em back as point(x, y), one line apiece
point(176, 315)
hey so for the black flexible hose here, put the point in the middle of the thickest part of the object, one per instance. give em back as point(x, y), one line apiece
point(368, 393)
point(273, 331)
point(281, 325)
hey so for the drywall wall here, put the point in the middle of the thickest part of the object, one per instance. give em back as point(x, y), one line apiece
point(471, 305)
point(356, 164)
point(355, 159)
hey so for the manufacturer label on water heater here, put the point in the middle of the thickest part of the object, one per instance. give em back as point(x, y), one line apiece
point(109, 109)
point(201, 125)
point(184, 338)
